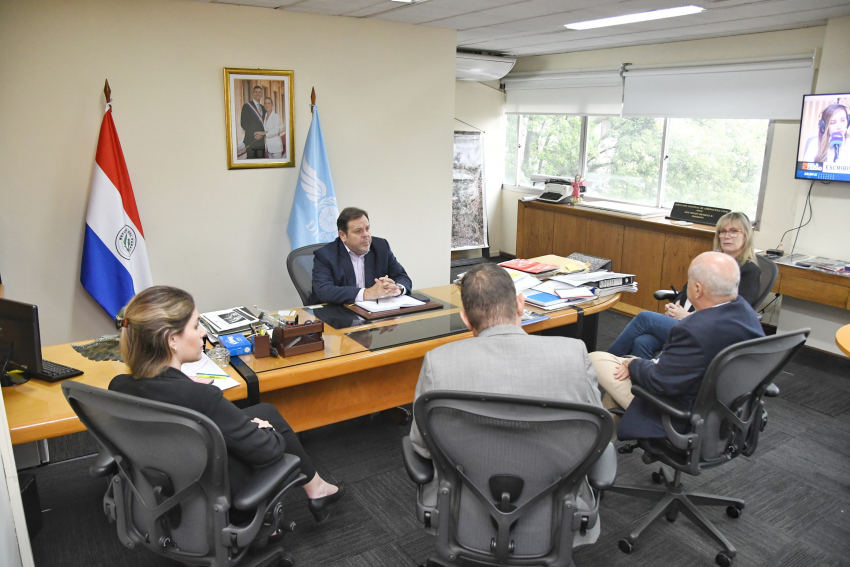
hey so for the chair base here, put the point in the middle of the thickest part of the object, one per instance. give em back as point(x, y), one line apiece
point(434, 562)
point(672, 500)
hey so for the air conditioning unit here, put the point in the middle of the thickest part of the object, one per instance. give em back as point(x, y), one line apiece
point(474, 67)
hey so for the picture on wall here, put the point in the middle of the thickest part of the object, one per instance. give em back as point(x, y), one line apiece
point(469, 212)
point(258, 114)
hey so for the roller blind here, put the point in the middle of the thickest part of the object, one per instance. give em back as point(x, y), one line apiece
point(596, 91)
point(771, 88)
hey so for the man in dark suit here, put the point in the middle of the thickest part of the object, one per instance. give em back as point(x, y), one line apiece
point(721, 319)
point(356, 266)
point(253, 114)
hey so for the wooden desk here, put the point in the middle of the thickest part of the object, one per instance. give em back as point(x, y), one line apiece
point(842, 339)
point(656, 251)
point(310, 390)
point(813, 285)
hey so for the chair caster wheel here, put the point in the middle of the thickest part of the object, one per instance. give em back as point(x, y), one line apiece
point(723, 560)
point(657, 478)
point(672, 515)
point(733, 512)
point(626, 546)
point(286, 561)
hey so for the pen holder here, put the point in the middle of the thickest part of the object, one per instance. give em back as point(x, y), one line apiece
point(261, 345)
point(309, 339)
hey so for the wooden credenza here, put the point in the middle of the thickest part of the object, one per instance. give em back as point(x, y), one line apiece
point(657, 252)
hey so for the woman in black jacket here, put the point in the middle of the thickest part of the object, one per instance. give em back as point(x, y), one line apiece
point(161, 331)
point(646, 334)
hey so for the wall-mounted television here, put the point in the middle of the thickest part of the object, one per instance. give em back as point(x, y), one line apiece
point(823, 151)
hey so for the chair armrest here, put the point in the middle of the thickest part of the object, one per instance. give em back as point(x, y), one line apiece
point(419, 469)
point(604, 471)
point(103, 465)
point(264, 482)
point(772, 391)
point(664, 294)
point(660, 403)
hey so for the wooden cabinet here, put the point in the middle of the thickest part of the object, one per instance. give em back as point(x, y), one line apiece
point(657, 252)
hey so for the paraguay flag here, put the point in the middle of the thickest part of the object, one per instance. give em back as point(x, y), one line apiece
point(115, 260)
point(314, 211)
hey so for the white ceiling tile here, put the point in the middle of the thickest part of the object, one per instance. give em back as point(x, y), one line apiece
point(376, 8)
point(437, 10)
point(720, 29)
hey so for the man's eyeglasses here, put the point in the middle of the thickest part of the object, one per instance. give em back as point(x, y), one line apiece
point(731, 232)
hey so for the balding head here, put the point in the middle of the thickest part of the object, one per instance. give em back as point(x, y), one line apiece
point(713, 279)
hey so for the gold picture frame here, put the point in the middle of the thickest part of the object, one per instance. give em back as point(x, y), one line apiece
point(265, 139)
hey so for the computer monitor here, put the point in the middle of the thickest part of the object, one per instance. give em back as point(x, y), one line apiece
point(20, 339)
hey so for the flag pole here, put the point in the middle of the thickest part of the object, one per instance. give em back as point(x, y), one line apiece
point(312, 99)
point(107, 92)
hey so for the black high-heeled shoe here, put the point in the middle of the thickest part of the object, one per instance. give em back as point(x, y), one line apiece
point(319, 506)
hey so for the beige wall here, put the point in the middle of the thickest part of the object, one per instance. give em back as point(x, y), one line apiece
point(483, 107)
point(386, 94)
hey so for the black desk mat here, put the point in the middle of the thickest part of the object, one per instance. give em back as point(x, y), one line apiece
point(412, 332)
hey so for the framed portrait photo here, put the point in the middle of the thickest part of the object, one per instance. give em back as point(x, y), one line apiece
point(259, 118)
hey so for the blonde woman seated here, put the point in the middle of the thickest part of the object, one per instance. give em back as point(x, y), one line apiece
point(160, 332)
point(647, 332)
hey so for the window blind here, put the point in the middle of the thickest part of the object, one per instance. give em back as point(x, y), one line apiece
point(769, 87)
point(597, 91)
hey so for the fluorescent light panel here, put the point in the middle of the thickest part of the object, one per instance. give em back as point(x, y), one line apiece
point(634, 18)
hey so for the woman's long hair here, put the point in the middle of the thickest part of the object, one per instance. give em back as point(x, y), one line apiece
point(823, 137)
point(742, 223)
point(150, 319)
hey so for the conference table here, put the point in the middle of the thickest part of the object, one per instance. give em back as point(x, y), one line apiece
point(365, 367)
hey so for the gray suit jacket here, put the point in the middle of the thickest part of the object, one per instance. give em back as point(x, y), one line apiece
point(505, 360)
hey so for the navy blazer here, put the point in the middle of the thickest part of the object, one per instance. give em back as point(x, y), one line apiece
point(691, 346)
point(333, 272)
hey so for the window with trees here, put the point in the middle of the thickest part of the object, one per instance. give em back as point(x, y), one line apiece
point(715, 162)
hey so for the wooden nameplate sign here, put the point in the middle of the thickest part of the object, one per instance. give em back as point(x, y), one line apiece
point(696, 213)
point(427, 306)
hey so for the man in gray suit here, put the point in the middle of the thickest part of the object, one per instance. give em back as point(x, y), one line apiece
point(502, 359)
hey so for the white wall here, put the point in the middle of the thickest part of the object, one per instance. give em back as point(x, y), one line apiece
point(386, 94)
point(826, 235)
point(483, 107)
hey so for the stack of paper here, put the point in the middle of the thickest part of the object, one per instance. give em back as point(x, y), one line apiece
point(546, 297)
point(205, 370)
point(565, 265)
point(529, 266)
point(228, 321)
point(606, 291)
point(389, 303)
point(522, 281)
point(596, 279)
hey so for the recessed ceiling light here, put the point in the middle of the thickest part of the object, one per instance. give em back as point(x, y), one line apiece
point(633, 18)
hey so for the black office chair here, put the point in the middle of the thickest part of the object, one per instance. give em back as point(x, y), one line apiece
point(767, 279)
point(725, 422)
point(168, 486)
point(299, 264)
point(510, 472)
point(769, 273)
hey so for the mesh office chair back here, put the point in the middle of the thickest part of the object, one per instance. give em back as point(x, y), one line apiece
point(172, 478)
point(769, 273)
point(730, 399)
point(299, 264)
point(514, 467)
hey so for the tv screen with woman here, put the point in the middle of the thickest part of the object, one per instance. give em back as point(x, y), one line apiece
point(822, 152)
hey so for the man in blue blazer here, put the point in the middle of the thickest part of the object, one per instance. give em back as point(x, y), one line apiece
point(721, 319)
point(356, 266)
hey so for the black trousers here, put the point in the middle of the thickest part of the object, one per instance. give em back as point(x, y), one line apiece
point(239, 472)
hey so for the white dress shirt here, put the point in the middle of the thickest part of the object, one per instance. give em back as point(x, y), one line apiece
point(359, 264)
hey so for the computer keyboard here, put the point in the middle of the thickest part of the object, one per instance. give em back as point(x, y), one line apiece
point(53, 372)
